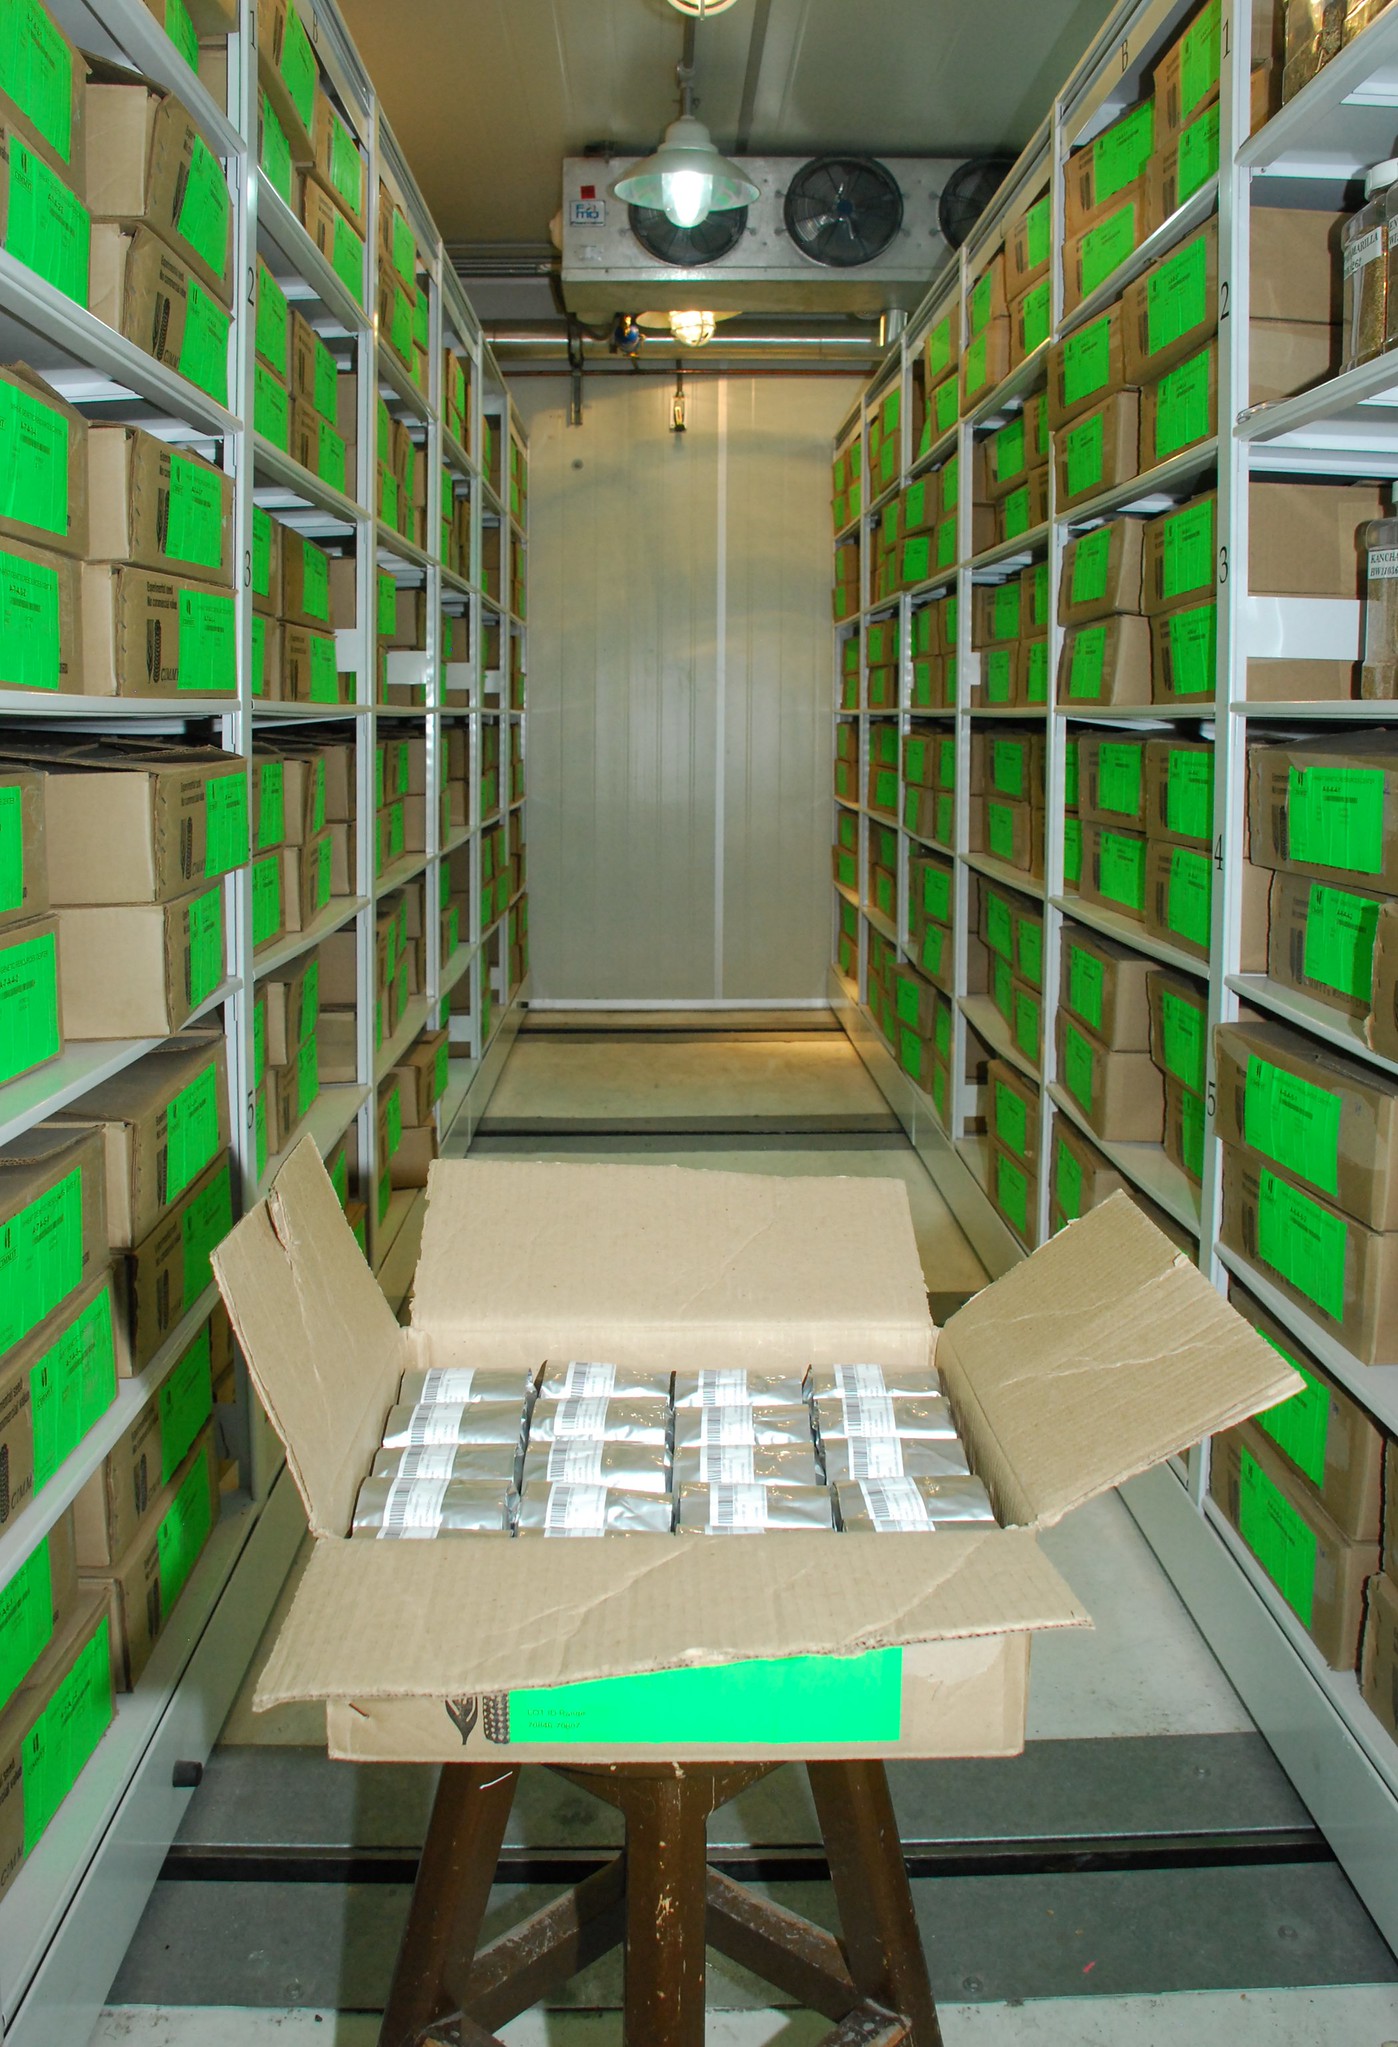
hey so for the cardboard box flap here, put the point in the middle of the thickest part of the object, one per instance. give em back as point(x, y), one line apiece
point(1101, 1355)
point(321, 1344)
point(440, 1619)
point(668, 1266)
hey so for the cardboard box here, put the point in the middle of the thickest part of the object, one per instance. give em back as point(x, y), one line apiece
point(144, 1583)
point(140, 826)
point(1287, 356)
point(305, 582)
point(140, 970)
point(1180, 408)
point(831, 1260)
point(1186, 77)
point(1327, 1441)
point(1179, 798)
point(109, 1510)
point(1112, 781)
point(1030, 322)
point(1178, 563)
point(1008, 831)
point(1099, 449)
point(1179, 1027)
point(321, 448)
point(168, 1271)
point(1178, 905)
point(338, 162)
point(53, 1226)
point(42, 650)
point(1013, 1104)
point(1091, 258)
point(1184, 1130)
point(422, 1077)
point(1025, 508)
point(1095, 176)
point(158, 507)
point(1014, 1193)
point(1328, 1121)
point(144, 635)
point(1106, 988)
point(267, 563)
point(1086, 368)
point(310, 674)
point(43, 447)
point(163, 1120)
point(335, 237)
point(1327, 808)
point(1322, 943)
point(23, 852)
point(1101, 572)
point(1120, 1095)
point(1107, 662)
point(1114, 870)
point(1184, 655)
point(148, 165)
point(1317, 1571)
point(287, 72)
point(1305, 540)
point(293, 1008)
point(1170, 312)
point(1379, 1674)
point(61, 1714)
point(140, 287)
point(54, 1387)
point(1080, 1176)
point(1027, 247)
point(985, 362)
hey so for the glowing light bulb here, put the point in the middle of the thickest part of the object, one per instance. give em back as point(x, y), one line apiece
point(692, 329)
point(688, 196)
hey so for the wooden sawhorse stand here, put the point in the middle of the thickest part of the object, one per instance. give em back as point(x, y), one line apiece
point(662, 1900)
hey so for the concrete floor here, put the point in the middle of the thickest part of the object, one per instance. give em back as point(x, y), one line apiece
point(1135, 1734)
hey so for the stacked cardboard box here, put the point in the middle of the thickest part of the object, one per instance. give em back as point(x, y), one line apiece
point(986, 358)
point(1012, 473)
point(932, 918)
point(490, 767)
point(1013, 1117)
point(929, 799)
point(1008, 963)
point(43, 152)
point(1072, 815)
point(1009, 627)
point(847, 492)
point(847, 760)
point(52, 1726)
point(881, 793)
point(848, 688)
point(1106, 645)
point(845, 595)
point(920, 1018)
point(941, 381)
point(310, 667)
point(1112, 804)
point(1092, 409)
point(1027, 280)
point(456, 780)
point(301, 1055)
point(1179, 1036)
point(885, 432)
point(304, 846)
point(43, 534)
point(31, 1017)
point(1080, 1176)
point(881, 876)
point(1106, 194)
point(456, 397)
point(934, 650)
point(1103, 1039)
point(399, 324)
point(323, 410)
point(495, 875)
point(1007, 794)
point(422, 1079)
point(1379, 1668)
point(400, 499)
point(847, 941)
point(881, 654)
point(400, 787)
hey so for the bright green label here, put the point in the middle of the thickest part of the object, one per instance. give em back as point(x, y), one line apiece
point(1004, 611)
point(1182, 405)
point(939, 348)
point(1000, 829)
point(71, 1386)
point(1007, 450)
point(33, 461)
point(1068, 1182)
point(1029, 950)
point(936, 942)
point(1079, 1067)
point(1087, 361)
point(29, 1029)
point(271, 806)
point(1036, 233)
point(999, 925)
point(326, 382)
point(347, 259)
point(998, 670)
point(36, 70)
point(1085, 975)
point(1304, 1242)
point(31, 653)
point(1085, 444)
point(976, 364)
point(298, 67)
point(206, 1222)
point(1011, 1120)
point(26, 1620)
point(325, 676)
point(1121, 154)
point(1091, 559)
point(191, 1132)
point(1294, 1122)
point(261, 552)
point(1087, 661)
point(204, 344)
point(41, 1258)
point(259, 1040)
point(1034, 318)
point(404, 250)
point(186, 1402)
point(950, 473)
point(181, 32)
point(65, 1734)
point(204, 935)
point(1196, 156)
point(1012, 1193)
point(207, 660)
point(1121, 864)
point(346, 164)
point(1278, 1537)
point(276, 151)
point(1007, 762)
point(1015, 512)
point(1338, 949)
point(1070, 774)
point(1036, 672)
point(1184, 1038)
point(1189, 795)
point(1187, 550)
point(936, 894)
point(981, 299)
point(1300, 1427)
point(1106, 246)
point(1026, 1024)
point(1334, 817)
point(315, 582)
point(1192, 1134)
point(1192, 637)
point(225, 823)
point(307, 1075)
point(271, 413)
point(1072, 851)
point(205, 216)
point(1189, 896)
point(266, 899)
point(194, 513)
point(184, 1531)
point(1177, 295)
point(1119, 776)
point(1200, 52)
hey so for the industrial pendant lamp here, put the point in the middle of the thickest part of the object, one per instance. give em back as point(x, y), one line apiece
point(686, 178)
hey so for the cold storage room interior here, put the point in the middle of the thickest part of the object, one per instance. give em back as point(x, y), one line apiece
point(704, 682)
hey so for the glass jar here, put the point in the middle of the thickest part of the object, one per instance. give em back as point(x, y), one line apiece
point(1364, 251)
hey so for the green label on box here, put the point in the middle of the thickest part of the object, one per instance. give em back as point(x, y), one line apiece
point(203, 344)
point(1187, 553)
point(271, 415)
point(1091, 560)
point(1121, 154)
point(71, 1386)
point(999, 925)
point(186, 1402)
point(1087, 661)
point(30, 648)
point(298, 67)
point(1007, 450)
point(936, 893)
point(1079, 1066)
point(1087, 361)
point(945, 538)
point(1070, 774)
point(979, 304)
point(1038, 594)
point(205, 939)
point(1015, 512)
point(1036, 672)
point(1338, 949)
point(1068, 1181)
point(36, 70)
point(318, 799)
point(1182, 405)
point(310, 993)
point(191, 1132)
point(26, 1620)
point(1012, 1193)
point(1184, 1031)
point(1192, 1134)
point(325, 676)
point(65, 1734)
point(1278, 1537)
point(939, 348)
point(946, 764)
point(1036, 233)
point(1107, 246)
point(950, 473)
point(935, 941)
point(1192, 638)
point(388, 611)
point(1121, 861)
point(271, 807)
point(1189, 795)
point(315, 582)
point(346, 164)
point(1196, 156)
point(1034, 318)
point(404, 249)
point(1334, 817)
point(1300, 1427)
point(41, 1258)
point(276, 151)
point(1199, 58)
point(208, 648)
point(1294, 1122)
point(332, 457)
point(886, 790)
point(33, 461)
point(266, 899)
point(915, 753)
point(1026, 1024)
point(1085, 986)
point(1007, 766)
point(261, 552)
point(225, 823)
point(976, 365)
point(1002, 987)
point(1029, 950)
point(1189, 896)
point(1072, 851)
point(182, 32)
point(1085, 454)
point(184, 1531)
point(205, 211)
point(1177, 295)
point(905, 1002)
point(259, 1040)
point(1304, 1242)
point(29, 1030)
point(1004, 611)
point(946, 405)
point(347, 259)
point(999, 672)
point(1000, 829)
point(11, 847)
point(307, 1075)
point(1011, 1120)
point(205, 1223)
point(1119, 776)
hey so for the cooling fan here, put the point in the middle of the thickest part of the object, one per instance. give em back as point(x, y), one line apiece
point(967, 193)
point(842, 211)
point(688, 248)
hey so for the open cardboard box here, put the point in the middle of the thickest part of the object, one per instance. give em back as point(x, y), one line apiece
point(1103, 1354)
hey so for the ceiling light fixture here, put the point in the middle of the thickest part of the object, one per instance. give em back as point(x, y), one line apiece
point(692, 329)
point(685, 178)
point(700, 10)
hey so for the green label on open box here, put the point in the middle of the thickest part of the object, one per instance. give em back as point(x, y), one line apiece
point(206, 208)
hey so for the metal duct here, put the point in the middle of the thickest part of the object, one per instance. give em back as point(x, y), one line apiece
point(804, 341)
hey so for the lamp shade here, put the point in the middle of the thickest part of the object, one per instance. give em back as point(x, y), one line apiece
point(686, 178)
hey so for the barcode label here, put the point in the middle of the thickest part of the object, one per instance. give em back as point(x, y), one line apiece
point(859, 1380)
point(573, 1418)
point(452, 1382)
point(737, 1506)
point(725, 1464)
point(422, 1462)
point(869, 1415)
point(575, 1463)
point(723, 1387)
point(725, 1425)
point(438, 1424)
point(413, 1509)
point(589, 1382)
point(895, 1506)
point(575, 1510)
point(876, 1457)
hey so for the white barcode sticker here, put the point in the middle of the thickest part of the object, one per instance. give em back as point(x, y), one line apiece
point(576, 1510)
point(725, 1425)
point(895, 1506)
point(437, 1424)
point(573, 1418)
point(737, 1506)
point(723, 1386)
point(869, 1415)
point(725, 1464)
point(876, 1457)
point(449, 1382)
point(435, 1461)
point(1362, 250)
point(588, 1382)
point(860, 1380)
point(575, 1463)
point(413, 1509)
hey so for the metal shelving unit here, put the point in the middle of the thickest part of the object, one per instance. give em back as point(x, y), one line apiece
point(1347, 427)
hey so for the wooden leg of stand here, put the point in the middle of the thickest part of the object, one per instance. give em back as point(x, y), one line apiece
point(665, 1907)
point(871, 1890)
point(454, 1877)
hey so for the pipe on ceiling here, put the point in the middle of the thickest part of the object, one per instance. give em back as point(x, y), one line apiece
point(846, 341)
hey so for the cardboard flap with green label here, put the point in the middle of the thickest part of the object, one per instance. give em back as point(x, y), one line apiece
point(1101, 1355)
